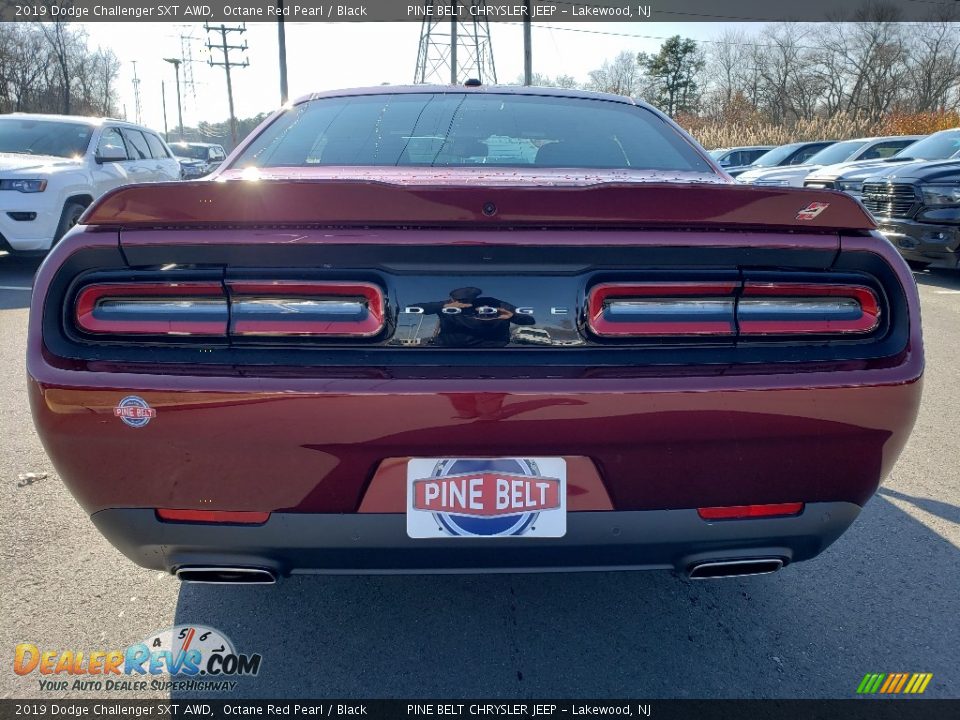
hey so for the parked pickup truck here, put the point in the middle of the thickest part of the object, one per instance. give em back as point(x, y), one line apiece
point(918, 208)
point(53, 166)
point(472, 329)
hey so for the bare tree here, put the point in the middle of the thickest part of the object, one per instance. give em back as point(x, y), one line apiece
point(50, 68)
point(620, 76)
point(934, 69)
point(61, 47)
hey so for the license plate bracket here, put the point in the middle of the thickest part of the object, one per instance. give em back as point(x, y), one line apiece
point(486, 497)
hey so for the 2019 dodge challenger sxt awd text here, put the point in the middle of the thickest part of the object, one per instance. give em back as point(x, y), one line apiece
point(461, 329)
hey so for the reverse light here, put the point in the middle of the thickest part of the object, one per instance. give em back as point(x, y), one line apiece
point(24, 186)
point(233, 517)
point(305, 308)
point(740, 512)
point(668, 309)
point(173, 308)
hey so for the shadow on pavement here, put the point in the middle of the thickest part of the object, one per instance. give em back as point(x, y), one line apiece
point(945, 279)
point(934, 507)
point(877, 601)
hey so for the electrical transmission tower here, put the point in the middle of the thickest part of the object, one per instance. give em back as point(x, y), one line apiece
point(455, 49)
point(225, 48)
point(136, 92)
point(186, 54)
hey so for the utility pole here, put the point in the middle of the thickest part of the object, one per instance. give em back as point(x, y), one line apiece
point(453, 42)
point(163, 96)
point(527, 51)
point(136, 92)
point(282, 42)
point(176, 66)
point(226, 64)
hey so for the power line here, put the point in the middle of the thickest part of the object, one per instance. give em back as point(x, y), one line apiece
point(225, 48)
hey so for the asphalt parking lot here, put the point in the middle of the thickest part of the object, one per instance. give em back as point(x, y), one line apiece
point(884, 598)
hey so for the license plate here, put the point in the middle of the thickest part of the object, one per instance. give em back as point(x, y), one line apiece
point(487, 497)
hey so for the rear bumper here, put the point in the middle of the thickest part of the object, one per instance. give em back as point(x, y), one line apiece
point(377, 543)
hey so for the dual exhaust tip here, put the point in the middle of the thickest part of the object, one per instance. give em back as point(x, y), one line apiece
point(223, 575)
point(227, 575)
point(734, 568)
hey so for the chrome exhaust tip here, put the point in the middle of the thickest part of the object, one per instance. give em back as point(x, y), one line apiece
point(734, 568)
point(227, 575)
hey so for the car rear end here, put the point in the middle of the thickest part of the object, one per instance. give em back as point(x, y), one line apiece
point(443, 370)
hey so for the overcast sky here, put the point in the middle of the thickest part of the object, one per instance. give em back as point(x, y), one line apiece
point(324, 56)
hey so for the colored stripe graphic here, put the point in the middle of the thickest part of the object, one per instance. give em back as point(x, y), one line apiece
point(894, 683)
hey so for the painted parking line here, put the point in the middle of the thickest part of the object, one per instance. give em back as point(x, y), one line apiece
point(15, 287)
point(947, 292)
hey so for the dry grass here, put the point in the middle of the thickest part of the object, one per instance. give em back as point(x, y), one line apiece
point(731, 132)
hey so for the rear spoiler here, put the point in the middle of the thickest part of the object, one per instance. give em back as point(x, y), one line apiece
point(273, 202)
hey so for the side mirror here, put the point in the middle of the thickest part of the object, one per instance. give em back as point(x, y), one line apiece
point(111, 153)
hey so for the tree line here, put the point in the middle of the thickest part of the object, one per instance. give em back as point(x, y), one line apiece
point(50, 68)
point(789, 72)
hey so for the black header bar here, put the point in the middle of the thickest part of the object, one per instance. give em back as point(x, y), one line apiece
point(544, 11)
point(856, 709)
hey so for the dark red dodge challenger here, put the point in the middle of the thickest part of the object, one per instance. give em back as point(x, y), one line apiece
point(472, 329)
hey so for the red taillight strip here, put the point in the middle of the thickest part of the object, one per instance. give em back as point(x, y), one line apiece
point(135, 311)
point(305, 308)
point(737, 512)
point(783, 311)
point(236, 517)
point(662, 309)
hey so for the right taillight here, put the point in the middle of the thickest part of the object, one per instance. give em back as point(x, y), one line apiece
point(783, 308)
point(662, 309)
point(730, 309)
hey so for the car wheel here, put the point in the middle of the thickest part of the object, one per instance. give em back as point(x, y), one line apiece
point(68, 218)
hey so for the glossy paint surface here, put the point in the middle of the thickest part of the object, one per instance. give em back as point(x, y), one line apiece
point(309, 441)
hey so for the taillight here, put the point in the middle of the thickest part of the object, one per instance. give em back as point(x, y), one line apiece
point(662, 309)
point(775, 308)
point(732, 309)
point(235, 517)
point(236, 309)
point(329, 309)
point(739, 512)
point(172, 308)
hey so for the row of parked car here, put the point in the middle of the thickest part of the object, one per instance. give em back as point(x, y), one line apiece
point(910, 183)
point(54, 166)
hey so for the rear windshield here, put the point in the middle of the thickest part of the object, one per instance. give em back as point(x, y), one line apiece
point(459, 129)
point(194, 152)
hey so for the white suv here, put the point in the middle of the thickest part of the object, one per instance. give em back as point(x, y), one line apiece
point(53, 166)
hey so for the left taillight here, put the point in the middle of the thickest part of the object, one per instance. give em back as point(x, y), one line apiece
point(236, 309)
point(169, 308)
point(295, 308)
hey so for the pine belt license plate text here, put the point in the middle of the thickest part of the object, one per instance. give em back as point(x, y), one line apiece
point(487, 497)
